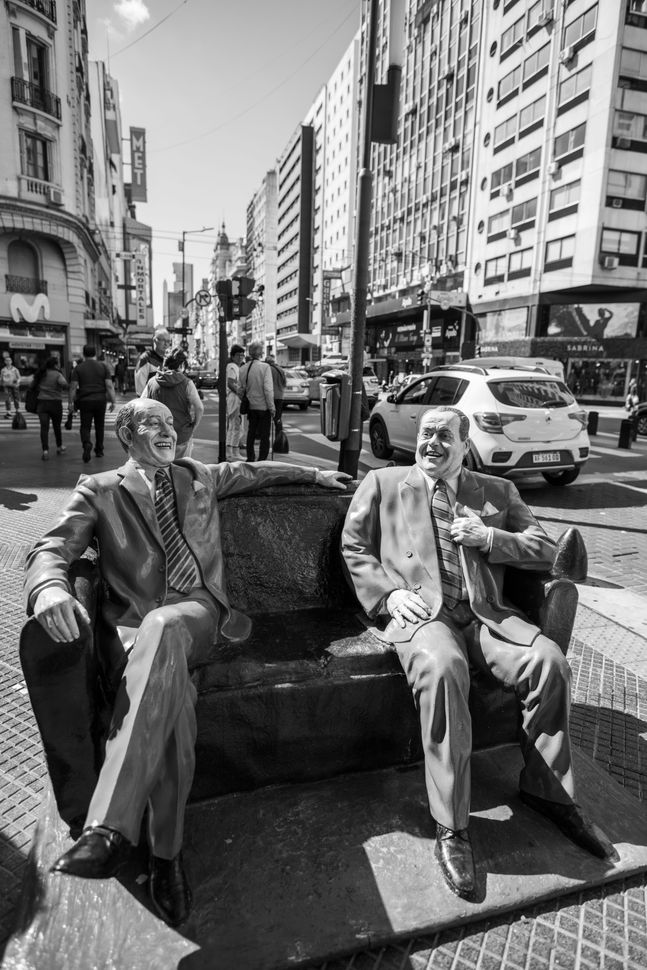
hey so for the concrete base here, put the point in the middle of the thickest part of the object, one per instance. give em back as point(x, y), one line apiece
point(294, 874)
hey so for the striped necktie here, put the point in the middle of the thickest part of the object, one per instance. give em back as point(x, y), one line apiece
point(181, 568)
point(451, 573)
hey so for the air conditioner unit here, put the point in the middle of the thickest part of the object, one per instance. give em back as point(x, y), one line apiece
point(464, 176)
point(610, 262)
point(450, 145)
point(622, 142)
point(545, 17)
point(55, 196)
point(616, 203)
point(512, 234)
point(567, 55)
point(507, 190)
point(554, 168)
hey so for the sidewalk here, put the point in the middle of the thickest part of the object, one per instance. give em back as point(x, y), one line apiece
point(605, 928)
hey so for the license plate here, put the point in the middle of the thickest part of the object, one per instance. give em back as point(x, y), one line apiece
point(540, 457)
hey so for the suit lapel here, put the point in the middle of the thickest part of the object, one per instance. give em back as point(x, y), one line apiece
point(134, 484)
point(414, 496)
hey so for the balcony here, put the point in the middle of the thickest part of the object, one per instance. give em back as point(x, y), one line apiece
point(35, 96)
point(47, 8)
point(24, 284)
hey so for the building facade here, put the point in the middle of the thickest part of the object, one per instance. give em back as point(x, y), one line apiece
point(262, 224)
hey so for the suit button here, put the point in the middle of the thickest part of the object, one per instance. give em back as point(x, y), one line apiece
point(161, 569)
point(417, 586)
point(490, 599)
point(159, 599)
point(408, 554)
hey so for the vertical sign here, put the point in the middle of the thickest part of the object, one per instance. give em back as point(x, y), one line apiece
point(140, 287)
point(326, 296)
point(138, 164)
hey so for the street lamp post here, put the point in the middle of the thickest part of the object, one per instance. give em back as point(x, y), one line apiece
point(185, 233)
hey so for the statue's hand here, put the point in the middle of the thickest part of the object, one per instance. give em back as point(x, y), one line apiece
point(405, 606)
point(58, 612)
point(332, 479)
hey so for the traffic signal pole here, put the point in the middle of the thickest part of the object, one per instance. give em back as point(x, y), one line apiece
point(351, 446)
point(223, 292)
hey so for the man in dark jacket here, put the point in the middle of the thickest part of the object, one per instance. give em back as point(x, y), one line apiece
point(91, 389)
point(151, 360)
point(278, 384)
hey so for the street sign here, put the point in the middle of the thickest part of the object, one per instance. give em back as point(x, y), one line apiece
point(203, 298)
point(184, 330)
point(427, 340)
point(125, 255)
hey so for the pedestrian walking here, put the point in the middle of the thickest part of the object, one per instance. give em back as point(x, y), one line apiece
point(234, 421)
point(51, 387)
point(256, 383)
point(121, 370)
point(10, 379)
point(91, 389)
point(172, 387)
point(151, 360)
point(278, 386)
point(631, 407)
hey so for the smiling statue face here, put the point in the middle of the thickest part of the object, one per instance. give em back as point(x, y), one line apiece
point(154, 439)
point(439, 449)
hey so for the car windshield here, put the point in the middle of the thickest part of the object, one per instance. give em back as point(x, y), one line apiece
point(531, 394)
point(296, 372)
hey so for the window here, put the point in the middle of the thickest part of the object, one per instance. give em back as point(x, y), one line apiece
point(495, 269)
point(627, 185)
point(536, 63)
point(559, 253)
point(512, 37)
point(509, 85)
point(532, 114)
point(535, 12)
point(498, 224)
point(520, 263)
point(444, 391)
point(505, 132)
point(619, 242)
point(501, 176)
point(35, 156)
point(565, 197)
point(528, 163)
point(630, 124)
point(633, 62)
point(570, 141)
point(582, 29)
point(524, 212)
point(38, 73)
point(575, 86)
point(417, 393)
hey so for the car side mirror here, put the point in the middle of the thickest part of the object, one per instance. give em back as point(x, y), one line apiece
point(391, 398)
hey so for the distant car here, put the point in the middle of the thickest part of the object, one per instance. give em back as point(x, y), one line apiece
point(208, 380)
point(297, 387)
point(522, 421)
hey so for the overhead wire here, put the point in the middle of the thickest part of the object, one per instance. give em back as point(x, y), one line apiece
point(149, 31)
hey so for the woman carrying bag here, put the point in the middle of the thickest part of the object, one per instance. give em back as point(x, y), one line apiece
point(51, 385)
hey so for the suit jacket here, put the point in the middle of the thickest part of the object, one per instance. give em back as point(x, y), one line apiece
point(388, 543)
point(116, 510)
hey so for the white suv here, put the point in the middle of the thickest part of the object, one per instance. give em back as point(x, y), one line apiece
point(522, 420)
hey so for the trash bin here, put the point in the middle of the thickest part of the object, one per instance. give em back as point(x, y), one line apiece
point(334, 413)
point(626, 433)
point(592, 424)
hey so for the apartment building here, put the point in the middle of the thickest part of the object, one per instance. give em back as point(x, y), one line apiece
point(557, 251)
point(54, 270)
point(261, 240)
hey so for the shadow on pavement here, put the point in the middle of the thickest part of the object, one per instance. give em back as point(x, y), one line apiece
point(12, 870)
point(593, 495)
point(17, 501)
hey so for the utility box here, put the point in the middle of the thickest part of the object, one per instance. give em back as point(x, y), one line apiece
point(335, 405)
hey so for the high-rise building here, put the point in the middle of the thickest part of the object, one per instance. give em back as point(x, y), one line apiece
point(557, 254)
point(55, 278)
point(261, 257)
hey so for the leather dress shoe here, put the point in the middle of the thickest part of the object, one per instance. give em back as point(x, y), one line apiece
point(169, 889)
point(99, 853)
point(454, 853)
point(575, 825)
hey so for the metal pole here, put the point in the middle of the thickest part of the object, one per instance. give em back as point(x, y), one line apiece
point(183, 245)
point(351, 447)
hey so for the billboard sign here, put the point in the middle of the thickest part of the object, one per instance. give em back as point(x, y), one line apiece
point(140, 287)
point(138, 164)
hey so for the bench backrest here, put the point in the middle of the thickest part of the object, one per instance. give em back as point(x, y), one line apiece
point(281, 549)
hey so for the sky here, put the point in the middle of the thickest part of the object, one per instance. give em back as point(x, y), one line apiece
point(219, 86)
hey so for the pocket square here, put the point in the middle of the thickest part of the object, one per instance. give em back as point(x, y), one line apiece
point(489, 509)
point(198, 486)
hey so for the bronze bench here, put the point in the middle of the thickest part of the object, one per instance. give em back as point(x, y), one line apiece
point(312, 693)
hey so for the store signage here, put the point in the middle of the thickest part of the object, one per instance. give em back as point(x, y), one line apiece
point(584, 347)
point(138, 164)
point(140, 287)
point(20, 307)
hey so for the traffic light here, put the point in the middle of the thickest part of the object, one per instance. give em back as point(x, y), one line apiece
point(241, 305)
point(223, 292)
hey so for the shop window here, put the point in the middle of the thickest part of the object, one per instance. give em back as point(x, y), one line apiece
point(574, 89)
point(559, 253)
point(564, 200)
point(582, 30)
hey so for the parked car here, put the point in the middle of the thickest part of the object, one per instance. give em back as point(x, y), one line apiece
point(297, 387)
point(371, 383)
point(522, 421)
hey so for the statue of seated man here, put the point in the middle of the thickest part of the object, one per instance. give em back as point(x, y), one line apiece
point(427, 546)
point(164, 604)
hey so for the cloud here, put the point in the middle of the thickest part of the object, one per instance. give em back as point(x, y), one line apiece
point(132, 12)
point(110, 29)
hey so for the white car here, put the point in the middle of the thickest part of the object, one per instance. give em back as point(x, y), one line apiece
point(522, 420)
point(297, 387)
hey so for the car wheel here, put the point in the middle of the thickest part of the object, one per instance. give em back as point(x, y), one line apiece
point(303, 406)
point(642, 424)
point(561, 478)
point(380, 440)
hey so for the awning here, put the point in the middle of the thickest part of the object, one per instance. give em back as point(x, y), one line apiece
point(298, 340)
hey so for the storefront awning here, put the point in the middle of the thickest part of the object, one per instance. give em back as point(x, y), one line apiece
point(298, 340)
